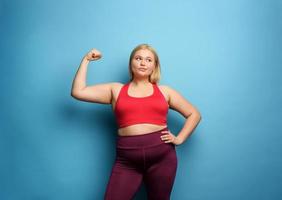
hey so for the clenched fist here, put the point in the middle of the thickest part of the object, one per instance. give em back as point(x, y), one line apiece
point(94, 54)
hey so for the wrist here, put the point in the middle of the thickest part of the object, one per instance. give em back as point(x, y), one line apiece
point(85, 59)
point(180, 139)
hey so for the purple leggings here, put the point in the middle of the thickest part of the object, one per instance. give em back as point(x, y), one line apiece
point(142, 157)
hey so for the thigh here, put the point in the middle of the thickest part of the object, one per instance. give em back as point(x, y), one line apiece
point(126, 176)
point(161, 163)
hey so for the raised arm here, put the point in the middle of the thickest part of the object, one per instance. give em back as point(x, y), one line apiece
point(100, 93)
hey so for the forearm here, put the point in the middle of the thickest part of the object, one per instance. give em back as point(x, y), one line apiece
point(190, 124)
point(79, 81)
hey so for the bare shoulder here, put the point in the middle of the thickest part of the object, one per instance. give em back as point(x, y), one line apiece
point(166, 91)
point(171, 92)
point(164, 87)
point(116, 85)
point(178, 102)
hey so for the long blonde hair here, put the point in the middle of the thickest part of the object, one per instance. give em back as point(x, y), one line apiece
point(156, 74)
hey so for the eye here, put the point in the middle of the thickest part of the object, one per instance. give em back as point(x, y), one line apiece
point(149, 60)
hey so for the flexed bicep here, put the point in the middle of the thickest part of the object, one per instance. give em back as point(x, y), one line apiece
point(99, 93)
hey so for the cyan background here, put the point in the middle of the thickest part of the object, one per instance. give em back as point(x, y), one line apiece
point(222, 56)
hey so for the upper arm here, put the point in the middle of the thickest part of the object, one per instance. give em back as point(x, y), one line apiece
point(99, 93)
point(178, 103)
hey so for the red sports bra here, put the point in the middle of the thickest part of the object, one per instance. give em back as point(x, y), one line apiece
point(135, 110)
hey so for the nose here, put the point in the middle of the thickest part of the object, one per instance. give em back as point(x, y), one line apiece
point(142, 62)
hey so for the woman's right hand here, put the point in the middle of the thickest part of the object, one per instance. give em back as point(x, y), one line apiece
point(94, 54)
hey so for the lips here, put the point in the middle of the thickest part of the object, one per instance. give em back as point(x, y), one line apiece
point(142, 69)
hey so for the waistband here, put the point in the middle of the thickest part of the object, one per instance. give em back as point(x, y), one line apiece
point(140, 141)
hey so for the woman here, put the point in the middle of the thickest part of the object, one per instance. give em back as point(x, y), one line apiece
point(145, 147)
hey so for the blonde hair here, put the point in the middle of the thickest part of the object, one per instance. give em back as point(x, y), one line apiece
point(156, 74)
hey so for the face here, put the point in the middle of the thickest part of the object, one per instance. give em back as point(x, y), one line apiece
point(143, 63)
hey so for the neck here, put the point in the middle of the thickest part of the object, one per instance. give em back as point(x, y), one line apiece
point(140, 82)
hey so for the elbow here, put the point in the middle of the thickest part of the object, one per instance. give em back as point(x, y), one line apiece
point(74, 94)
point(197, 115)
point(200, 118)
point(77, 92)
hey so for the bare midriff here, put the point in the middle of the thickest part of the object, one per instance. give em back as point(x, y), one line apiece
point(139, 129)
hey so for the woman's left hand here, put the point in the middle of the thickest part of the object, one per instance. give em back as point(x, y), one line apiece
point(169, 137)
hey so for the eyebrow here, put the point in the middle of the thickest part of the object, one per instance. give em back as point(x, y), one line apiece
point(142, 57)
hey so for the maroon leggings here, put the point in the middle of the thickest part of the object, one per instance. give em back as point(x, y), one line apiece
point(142, 157)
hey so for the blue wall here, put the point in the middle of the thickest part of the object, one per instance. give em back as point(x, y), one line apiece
point(223, 56)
